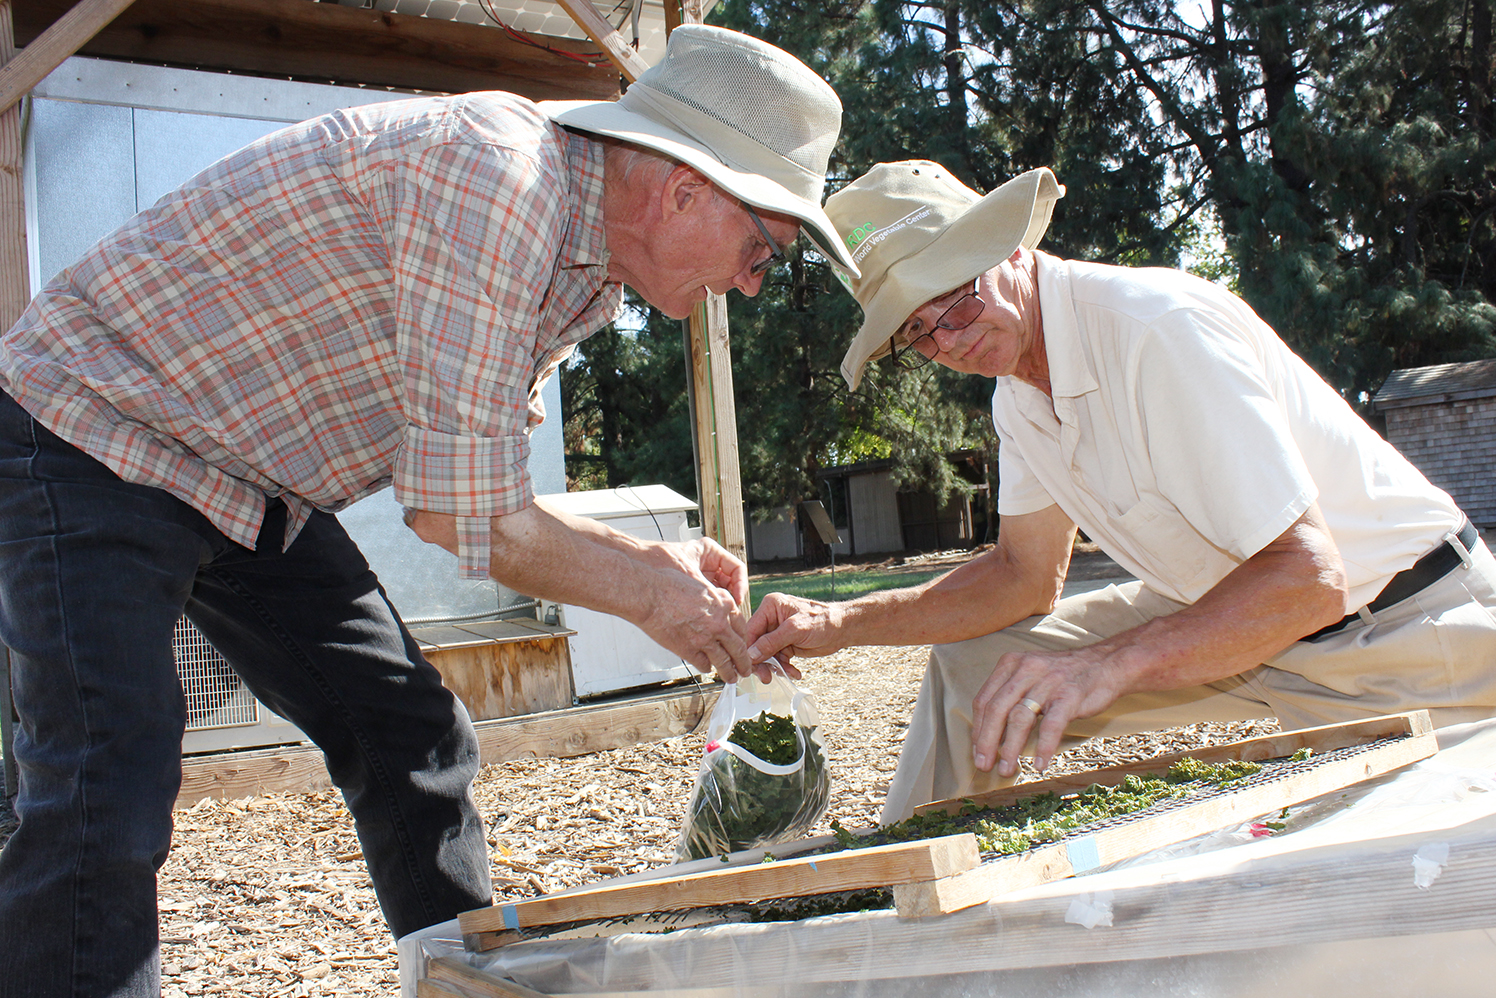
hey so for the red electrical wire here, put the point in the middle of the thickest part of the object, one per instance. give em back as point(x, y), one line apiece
point(588, 58)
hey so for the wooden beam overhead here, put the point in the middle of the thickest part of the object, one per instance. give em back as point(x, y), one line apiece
point(628, 61)
point(327, 42)
point(60, 41)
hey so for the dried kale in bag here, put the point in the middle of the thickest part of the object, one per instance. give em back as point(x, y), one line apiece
point(763, 778)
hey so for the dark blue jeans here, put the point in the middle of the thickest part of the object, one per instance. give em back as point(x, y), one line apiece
point(94, 573)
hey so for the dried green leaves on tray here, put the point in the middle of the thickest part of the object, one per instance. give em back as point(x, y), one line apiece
point(1032, 821)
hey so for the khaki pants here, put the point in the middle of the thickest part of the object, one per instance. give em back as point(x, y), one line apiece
point(1435, 650)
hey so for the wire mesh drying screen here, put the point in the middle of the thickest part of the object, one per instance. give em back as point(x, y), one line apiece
point(1270, 771)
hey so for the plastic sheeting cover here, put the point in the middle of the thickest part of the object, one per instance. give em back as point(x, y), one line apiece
point(1385, 888)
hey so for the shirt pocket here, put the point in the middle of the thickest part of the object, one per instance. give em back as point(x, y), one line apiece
point(1164, 539)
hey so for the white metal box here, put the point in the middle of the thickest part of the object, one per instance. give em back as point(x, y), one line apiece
point(609, 654)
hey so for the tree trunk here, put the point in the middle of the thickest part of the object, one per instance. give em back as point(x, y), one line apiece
point(1279, 78)
point(955, 76)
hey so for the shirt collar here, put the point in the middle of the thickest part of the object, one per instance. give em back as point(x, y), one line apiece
point(1070, 373)
point(586, 241)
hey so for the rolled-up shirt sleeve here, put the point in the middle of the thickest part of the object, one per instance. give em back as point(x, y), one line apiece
point(477, 231)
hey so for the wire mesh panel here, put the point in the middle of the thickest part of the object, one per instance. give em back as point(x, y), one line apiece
point(216, 697)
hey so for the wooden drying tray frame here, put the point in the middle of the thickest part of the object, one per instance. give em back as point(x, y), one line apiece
point(1410, 735)
point(939, 875)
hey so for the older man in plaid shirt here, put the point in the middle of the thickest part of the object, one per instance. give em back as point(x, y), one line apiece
point(368, 299)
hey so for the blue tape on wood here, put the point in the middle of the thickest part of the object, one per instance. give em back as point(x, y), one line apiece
point(1083, 854)
point(511, 917)
point(813, 865)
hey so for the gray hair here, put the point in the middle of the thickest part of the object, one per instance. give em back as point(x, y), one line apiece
point(636, 164)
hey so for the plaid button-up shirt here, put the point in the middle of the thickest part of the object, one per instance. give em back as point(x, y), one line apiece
point(368, 298)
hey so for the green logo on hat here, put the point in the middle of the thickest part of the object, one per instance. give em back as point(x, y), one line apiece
point(860, 233)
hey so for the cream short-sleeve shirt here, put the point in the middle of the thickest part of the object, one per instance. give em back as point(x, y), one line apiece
point(1185, 436)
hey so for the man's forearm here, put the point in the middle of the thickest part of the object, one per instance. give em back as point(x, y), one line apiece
point(1291, 588)
point(1021, 576)
point(982, 596)
point(568, 559)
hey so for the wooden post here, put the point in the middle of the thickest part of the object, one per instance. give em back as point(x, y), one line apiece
point(14, 268)
point(716, 426)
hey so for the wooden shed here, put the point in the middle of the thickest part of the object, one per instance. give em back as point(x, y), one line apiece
point(1443, 418)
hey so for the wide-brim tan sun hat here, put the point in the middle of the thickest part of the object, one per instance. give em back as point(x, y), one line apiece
point(915, 233)
point(752, 118)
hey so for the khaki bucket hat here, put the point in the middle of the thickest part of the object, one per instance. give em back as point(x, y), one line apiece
point(751, 117)
point(916, 232)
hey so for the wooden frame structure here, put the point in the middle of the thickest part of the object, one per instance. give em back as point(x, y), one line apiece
point(559, 734)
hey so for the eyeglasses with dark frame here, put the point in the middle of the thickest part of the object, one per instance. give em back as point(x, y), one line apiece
point(776, 255)
point(961, 313)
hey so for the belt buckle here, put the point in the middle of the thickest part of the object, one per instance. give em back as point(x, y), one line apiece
point(1453, 540)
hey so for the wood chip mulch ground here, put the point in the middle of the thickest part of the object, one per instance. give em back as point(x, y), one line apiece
point(269, 896)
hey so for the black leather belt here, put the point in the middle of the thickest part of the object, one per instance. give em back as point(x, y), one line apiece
point(1425, 572)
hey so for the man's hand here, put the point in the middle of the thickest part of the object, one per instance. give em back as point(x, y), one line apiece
point(788, 626)
point(711, 562)
point(1292, 587)
point(1041, 691)
point(698, 613)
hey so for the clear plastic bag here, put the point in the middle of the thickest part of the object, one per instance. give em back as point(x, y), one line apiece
point(741, 799)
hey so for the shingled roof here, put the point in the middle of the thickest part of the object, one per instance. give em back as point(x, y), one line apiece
point(1437, 383)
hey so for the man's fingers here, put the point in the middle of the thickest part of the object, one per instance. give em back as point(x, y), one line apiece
point(989, 714)
point(772, 611)
point(992, 734)
point(1017, 733)
point(771, 631)
point(740, 628)
point(770, 645)
point(725, 570)
point(1051, 733)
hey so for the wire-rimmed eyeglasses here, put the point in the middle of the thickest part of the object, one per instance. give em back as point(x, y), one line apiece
point(961, 313)
point(776, 255)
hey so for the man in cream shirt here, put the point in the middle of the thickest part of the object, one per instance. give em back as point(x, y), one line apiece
point(1289, 562)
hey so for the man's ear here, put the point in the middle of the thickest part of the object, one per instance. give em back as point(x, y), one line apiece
point(685, 187)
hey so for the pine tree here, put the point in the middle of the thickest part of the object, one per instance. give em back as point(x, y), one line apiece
point(1349, 160)
point(1342, 149)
